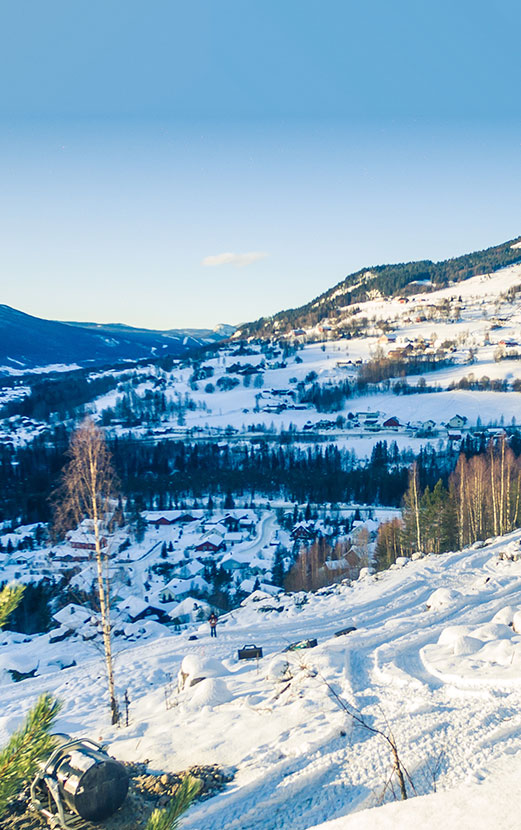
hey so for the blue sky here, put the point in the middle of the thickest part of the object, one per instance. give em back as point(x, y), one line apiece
point(183, 164)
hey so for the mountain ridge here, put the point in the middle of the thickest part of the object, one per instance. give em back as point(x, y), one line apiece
point(28, 342)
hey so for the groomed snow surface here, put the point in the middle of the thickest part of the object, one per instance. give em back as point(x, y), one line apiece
point(435, 657)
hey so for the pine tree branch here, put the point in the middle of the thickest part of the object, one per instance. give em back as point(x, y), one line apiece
point(168, 818)
point(29, 745)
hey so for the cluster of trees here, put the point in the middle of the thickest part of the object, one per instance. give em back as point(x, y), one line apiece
point(484, 384)
point(155, 475)
point(169, 471)
point(60, 396)
point(33, 614)
point(481, 498)
point(150, 408)
point(320, 564)
point(328, 397)
point(381, 367)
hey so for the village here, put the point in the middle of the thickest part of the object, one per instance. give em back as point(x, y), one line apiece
point(166, 582)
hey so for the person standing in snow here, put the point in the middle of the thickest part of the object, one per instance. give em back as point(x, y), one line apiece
point(212, 619)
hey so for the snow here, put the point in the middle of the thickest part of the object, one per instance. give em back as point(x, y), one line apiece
point(447, 680)
point(436, 654)
point(486, 804)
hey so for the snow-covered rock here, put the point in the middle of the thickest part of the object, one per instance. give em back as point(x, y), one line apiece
point(465, 645)
point(492, 631)
point(195, 666)
point(278, 670)
point(516, 622)
point(506, 615)
point(442, 598)
point(212, 691)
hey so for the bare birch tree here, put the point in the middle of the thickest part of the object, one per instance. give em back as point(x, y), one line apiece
point(88, 484)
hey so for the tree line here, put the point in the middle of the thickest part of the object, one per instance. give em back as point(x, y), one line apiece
point(482, 498)
point(159, 475)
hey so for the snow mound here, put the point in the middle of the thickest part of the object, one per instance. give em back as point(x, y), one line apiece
point(499, 652)
point(212, 691)
point(24, 662)
point(195, 665)
point(465, 645)
point(511, 550)
point(516, 622)
point(505, 615)
point(450, 635)
point(442, 598)
point(492, 631)
point(489, 655)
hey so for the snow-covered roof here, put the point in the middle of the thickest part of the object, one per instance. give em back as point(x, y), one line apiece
point(133, 606)
point(186, 606)
point(266, 590)
point(73, 615)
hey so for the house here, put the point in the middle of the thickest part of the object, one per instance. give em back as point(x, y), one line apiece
point(136, 609)
point(189, 610)
point(368, 417)
point(83, 538)
point(72, 616)
point(371, 418)
point(457, 422)
point(189, 569)
point(231, 523)
point(176, 589)
point(392, 423)
point(213, 543)
point(387, 338)
point(232, 563)
point(303, 532)
point(283, 392)
point(428, 426)
point(247, 522)
point(233, 538)
point(161, 518)
point(399, 353)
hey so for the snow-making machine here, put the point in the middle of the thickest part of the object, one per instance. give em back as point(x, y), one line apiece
point(79, 782)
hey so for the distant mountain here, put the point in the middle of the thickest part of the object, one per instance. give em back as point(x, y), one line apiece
point(384, 281)
point(27, 342)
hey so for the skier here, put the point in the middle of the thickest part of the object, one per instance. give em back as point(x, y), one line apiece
point(212, 619)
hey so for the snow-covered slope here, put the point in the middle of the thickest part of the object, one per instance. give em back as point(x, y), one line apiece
point(434, 658)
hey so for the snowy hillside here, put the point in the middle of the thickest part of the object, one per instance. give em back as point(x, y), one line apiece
point(435, 657)
point(239, 393)
point(384, 281)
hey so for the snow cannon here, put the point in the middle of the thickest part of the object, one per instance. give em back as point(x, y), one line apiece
point(80, 779)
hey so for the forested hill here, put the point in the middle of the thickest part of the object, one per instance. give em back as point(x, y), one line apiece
point(387, 281)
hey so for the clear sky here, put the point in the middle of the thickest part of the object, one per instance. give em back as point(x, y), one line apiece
point(181, 164)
